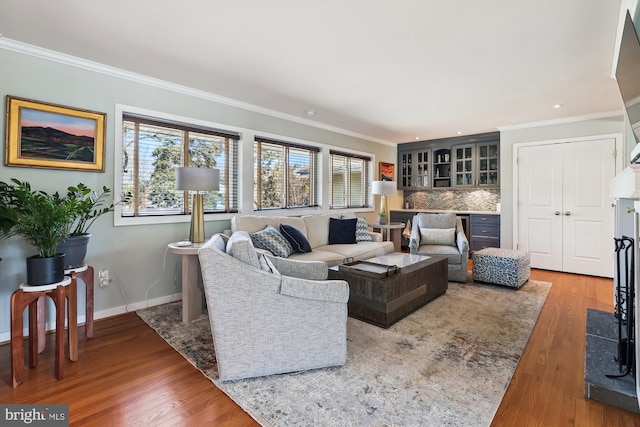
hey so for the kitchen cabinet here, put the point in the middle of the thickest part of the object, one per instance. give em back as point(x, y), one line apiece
point(450, 163)
point(485, 231)
point(415, 166)
point(476, 165)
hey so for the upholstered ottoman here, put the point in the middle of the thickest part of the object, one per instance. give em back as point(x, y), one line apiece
point(506, 267)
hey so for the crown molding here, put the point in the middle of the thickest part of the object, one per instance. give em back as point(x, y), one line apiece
point(563, 120)
point(96, 67)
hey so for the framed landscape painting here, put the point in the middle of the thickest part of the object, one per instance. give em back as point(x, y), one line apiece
point(387, 171)
point(52, 136)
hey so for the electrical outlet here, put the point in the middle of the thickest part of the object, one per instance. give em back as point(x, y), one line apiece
point(103, 275)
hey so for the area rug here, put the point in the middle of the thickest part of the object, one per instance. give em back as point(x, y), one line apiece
point(447, 364)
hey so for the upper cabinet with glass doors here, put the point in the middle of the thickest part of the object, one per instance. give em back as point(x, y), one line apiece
point(415, 167)
point(461, 162)
point(476, 165)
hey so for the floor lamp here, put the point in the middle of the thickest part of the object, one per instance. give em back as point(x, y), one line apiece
point(383, 188)
point(197, 179)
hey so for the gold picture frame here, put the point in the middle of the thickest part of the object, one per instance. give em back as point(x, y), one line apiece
point(387, 171)
point(43, 135)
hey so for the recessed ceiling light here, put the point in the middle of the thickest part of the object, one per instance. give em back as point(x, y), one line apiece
point(558, 106)
point(459, 132)
point(417, 138)
point(310, 112)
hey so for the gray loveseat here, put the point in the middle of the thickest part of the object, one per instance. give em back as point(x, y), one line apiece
point(316, 230)
point(271, 316)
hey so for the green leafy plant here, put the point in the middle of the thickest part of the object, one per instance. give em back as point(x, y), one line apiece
point(90, 205)
point(42, 219)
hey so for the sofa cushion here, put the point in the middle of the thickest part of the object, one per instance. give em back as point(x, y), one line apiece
point(298, 241)
point(320, 254)
point(241, 248)
point(317, 227)
point(253, 223)
point(270, 239)
point(452, 253)
point(438, 236)
point(342, 231)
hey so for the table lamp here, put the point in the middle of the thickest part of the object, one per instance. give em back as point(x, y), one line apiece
point(382, 188)
point(197, 179)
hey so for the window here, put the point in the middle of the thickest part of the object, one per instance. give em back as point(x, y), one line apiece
point(285, 175)
point(350, 180)
point(153, 148)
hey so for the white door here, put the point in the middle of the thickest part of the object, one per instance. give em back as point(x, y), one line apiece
point(565, 215)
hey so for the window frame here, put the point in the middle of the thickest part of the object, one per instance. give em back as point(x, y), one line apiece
point(120, 112)
point(314, 166)
point(366, 179)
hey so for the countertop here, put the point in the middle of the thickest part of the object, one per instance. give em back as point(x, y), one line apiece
point(444, 211)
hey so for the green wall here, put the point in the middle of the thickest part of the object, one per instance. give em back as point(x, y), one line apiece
point(135, 255)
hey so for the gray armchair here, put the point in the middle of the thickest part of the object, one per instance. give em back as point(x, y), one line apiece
point(441, 234)
point(264, 322)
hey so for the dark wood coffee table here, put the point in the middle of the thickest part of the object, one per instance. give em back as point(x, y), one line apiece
point(382, 298)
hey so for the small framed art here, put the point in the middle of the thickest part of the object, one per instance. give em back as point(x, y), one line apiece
point(43, 135)
point(387, 171)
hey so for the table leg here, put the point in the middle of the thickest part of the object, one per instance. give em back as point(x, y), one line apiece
point(17, 338)
point(72, 307)
point(191, 293)
point(396, 233)
point(87, 278)
point(36, 335)
point(41, 321)
point(59, 301)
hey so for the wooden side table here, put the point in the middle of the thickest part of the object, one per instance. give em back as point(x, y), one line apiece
point(192, 289)
point(29, 296)
point(392, 231)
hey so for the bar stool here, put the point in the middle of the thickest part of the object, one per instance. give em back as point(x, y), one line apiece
point(61, 292)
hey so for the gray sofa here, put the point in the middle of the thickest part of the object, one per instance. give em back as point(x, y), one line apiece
point(442, 234)
point(266, 319)
point(316, 230)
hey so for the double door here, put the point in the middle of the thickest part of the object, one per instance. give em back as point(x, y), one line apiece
point(564, 214)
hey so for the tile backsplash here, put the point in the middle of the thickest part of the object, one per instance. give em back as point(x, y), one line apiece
point(458, 200)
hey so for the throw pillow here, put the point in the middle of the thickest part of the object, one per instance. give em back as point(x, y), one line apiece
point(270, 239)
point(342, 231)
point(438, 236)
point(241, 248)
point(298, 241)
point(362, 231)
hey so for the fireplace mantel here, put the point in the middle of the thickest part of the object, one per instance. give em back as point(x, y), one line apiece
point(626, 185)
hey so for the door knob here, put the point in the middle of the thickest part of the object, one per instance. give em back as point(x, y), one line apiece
point(556, 213)
point(567, 213)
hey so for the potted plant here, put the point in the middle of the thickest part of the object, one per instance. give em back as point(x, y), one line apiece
point(42, 219)
point(90, 205)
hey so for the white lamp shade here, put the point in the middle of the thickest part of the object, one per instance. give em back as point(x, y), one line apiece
point(383, 187)
point(197, 179)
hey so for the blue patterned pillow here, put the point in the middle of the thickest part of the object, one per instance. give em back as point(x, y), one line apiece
point(362, 231)
point(270, 239)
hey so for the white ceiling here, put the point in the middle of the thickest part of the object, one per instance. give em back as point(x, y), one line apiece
point(390, 70)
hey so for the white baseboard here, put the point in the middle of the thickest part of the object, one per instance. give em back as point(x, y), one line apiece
point(103, 314)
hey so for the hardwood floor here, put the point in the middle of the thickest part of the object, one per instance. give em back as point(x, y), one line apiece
point(128, 375)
